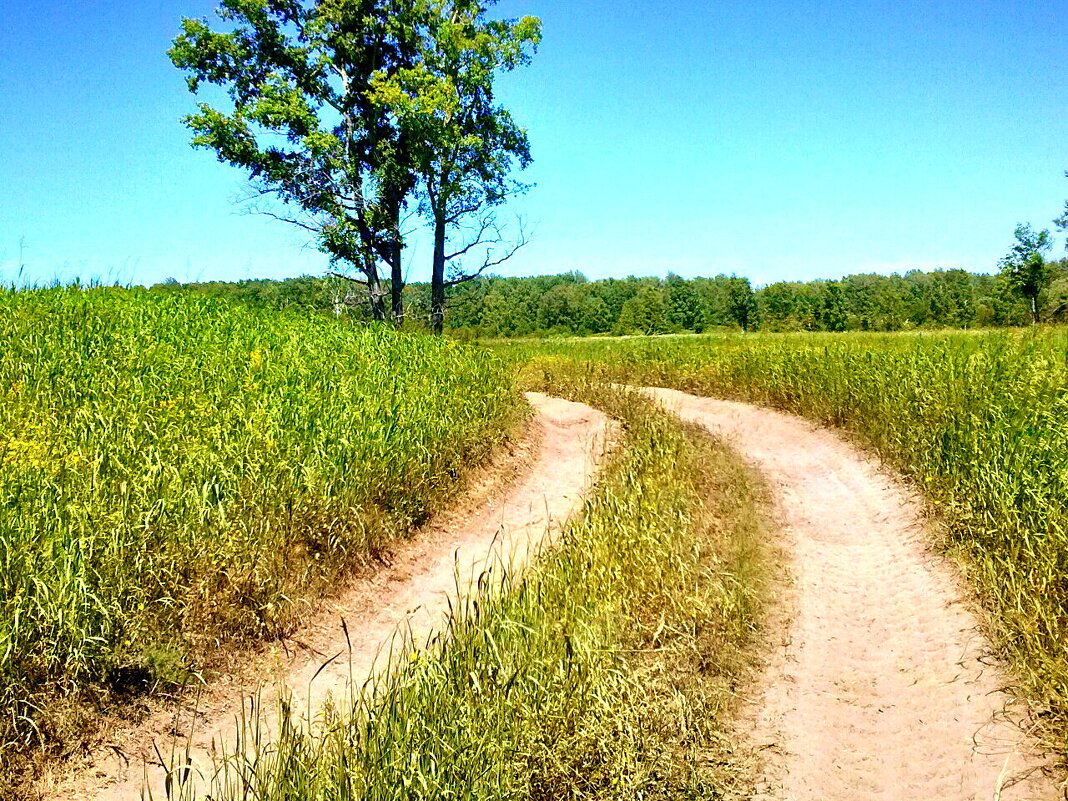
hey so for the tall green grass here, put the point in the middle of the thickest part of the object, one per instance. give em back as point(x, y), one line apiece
point(979, 421)
point(606, 672)
point(178, 472)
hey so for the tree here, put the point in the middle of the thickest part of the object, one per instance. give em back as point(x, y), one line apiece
point(684, 305)
point(833, 311)
point(303, 122)
point(952, 298)
point(1025, 269)
point(645, 313)
point(740, 302)
point(465, 144)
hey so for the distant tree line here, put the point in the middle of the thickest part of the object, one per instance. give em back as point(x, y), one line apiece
point(569, 304)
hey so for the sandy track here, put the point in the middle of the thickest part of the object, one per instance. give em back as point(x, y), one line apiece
point(883, 687)
point(518, 507)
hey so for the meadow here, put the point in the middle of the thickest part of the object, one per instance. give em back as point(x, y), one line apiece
point(977, 420)
point(178, 473)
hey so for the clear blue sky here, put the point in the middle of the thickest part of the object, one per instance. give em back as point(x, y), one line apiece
point(777, 140)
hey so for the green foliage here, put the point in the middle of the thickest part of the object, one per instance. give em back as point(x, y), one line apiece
point(568, 304)
point(342, 109)
point(606, 672)
point(832, 310)
point(463, 145)
point(176, 472)
point(505, 307)
point(977, 420)
point(645, 313)
point(274, 64)
point(303, 120)
point(1025, 268)
point(740, 302)
point(683, 304)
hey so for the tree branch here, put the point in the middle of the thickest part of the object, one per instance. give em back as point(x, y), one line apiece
point(485, 224)
point(315, 229)
point(490, 262)
point(344, 277)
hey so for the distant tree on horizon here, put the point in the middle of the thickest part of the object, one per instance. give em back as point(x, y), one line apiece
point(740, 302)
point(1025, 267)
point(569, 304)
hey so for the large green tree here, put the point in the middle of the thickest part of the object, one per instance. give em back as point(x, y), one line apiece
point(466, 144)
point(1025, 267)
point(302, 120)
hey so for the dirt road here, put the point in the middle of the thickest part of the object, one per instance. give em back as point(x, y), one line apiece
point(520, 504)
point(882, 687)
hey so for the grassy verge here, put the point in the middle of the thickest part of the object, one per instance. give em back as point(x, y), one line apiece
point(978, 420)
point(178, 473)
point(608, 671)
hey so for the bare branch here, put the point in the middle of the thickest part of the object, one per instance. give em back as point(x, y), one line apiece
point(403, 225)
point(460, 212)
point(344, 277)
point(487, 223)
point(490, 262)
point(315, 229)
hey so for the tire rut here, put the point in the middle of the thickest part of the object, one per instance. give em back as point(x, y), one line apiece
point(408, 601)
point(884, 687)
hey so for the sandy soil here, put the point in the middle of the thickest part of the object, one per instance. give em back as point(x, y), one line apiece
point(883, 686)
point(517, 507)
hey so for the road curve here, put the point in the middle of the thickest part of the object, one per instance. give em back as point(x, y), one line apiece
point(882, 687)
point(532, 497)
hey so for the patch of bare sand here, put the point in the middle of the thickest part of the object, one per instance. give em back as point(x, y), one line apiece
point(884, 687)
point(521, 504)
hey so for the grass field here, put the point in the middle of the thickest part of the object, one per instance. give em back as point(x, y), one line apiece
point(176, 473)
point(608, 671)
point(979, 421)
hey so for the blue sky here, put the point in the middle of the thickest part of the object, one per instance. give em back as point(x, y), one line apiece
point(777, 140)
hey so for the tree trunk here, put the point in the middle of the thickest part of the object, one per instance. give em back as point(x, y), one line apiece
point(374, 290)
point(437, 278)
point(1034, 309)
point(396, 285)
point(396, 279)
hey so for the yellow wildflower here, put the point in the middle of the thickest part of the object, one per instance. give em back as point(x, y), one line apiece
point(24, 453)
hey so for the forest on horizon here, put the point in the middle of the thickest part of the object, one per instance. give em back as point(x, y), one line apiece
point(569, 304)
